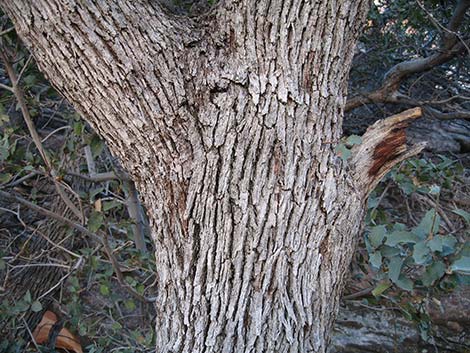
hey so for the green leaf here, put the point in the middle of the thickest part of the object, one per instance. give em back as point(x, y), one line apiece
point(78, 128)
point(420, 252)
point(82, 329)
point(4, 148)
point(4, 119)
point(461, 265)
point(96, 146)
point(116, 326)
point(435, 244)
point(429, 225)
point(375, 259)
point(95, 221)
point(464, 214)
point(404, 283)
point(27, 297)
point(433, 272)
point(140, 288)
point(400, 236)
point(2, 264)
point(5, 178)
point(21, 306)
point(407, 186)
point(104, 289)
point(373, 202)
point(399, 226)
point(377, 235)
point(448, 245)
point(343, 152)
point(94, 192)
point(394, 268)
point(388, 251)
point(354, 140)
point(29, 80)
point(108, 205)
point(36, 306)
point(130, 305)
point(381, 287)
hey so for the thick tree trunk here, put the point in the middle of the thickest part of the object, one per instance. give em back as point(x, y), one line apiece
point(228, 124)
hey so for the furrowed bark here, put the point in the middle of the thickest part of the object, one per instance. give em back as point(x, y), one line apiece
point(228, 124)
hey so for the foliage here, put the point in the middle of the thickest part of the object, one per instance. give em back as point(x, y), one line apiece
point(426, 258)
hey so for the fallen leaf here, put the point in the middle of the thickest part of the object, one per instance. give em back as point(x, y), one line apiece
point(65, 339)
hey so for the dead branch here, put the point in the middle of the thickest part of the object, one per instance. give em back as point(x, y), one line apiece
point(452, 45)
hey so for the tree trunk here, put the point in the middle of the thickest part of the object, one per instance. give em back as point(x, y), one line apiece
point(228, 124)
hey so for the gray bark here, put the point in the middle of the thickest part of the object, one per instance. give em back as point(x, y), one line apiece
point(228, 124)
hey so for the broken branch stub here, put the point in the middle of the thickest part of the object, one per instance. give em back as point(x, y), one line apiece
point(383, 146)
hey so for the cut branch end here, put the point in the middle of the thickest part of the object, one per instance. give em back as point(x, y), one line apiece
point(383, 146)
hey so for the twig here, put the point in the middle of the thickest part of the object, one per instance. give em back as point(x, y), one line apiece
point(8, 88)
point(454, 23)
point(439, 210)
point(133, 205)
point(77, 265)
point(20, 180)
point(119, 275)
point(90, 161)
point(23, 69)
point(54, 113)
point(55, 131)
point(31, 335)
point(136, 213)
point(35, 136)
point(96, 178)
point(359, 294)
point(382, 196)
point(8, 30)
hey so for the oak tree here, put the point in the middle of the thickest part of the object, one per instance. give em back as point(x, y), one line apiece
point(229, 124)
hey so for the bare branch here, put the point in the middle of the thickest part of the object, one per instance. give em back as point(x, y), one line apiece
point(8, 30)
point(458, 114)
point(136, 214)
point(452, 45)
point(5, 87)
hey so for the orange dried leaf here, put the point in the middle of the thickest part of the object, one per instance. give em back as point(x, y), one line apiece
point(65, 339)
point(41, 333)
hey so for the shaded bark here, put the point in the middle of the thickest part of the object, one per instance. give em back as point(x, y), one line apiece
point(228, 124)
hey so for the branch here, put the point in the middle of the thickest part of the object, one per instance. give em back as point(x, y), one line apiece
point(134, 208)
point(447, 116)
point(8, 30)
point(18, 93)
point(132, 199)
point(452, 46)
point(383, 146)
